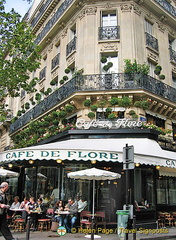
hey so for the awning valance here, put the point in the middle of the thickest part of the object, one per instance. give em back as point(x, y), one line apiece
point(165, 171)
point(146, 151)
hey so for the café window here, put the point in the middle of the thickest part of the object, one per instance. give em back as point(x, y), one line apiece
point(155, 120)
point(166, 190)
point(144, 188)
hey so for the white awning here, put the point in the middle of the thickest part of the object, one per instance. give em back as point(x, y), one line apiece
point(146, 151)
point(165, 171)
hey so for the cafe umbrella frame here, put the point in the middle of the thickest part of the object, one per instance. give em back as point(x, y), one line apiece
point(93, 174)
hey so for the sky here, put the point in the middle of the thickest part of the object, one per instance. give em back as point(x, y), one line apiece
point(19, 6)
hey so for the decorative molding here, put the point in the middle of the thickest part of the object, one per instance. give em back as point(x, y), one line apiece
point(64, 33)
point(163, 18)
point(54, 74)
point(71, 59)
point(62, 25)
point(109, 47)
point(174, 70)
point(91, 10)
point(50, 47)
point(126, 7)
point(82, 14)
point(153, 57)
point(161, 27)
point(108, 6)
point(137, 10)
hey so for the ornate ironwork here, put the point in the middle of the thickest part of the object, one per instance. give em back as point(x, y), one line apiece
point(41, 12)
point(151, 41)
point(172, 55)
point(167, 6)
point(53, 20)
point(71, 46)
point(42, 74)
point(97, 82)
point(105, 33)
point(55, 61)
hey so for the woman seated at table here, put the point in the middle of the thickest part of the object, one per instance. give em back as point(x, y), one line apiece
point(58, 208)
point(15, 205)
point(41, 208)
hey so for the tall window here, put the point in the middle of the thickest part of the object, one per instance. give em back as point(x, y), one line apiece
point(111, 57)
point(166, 190)
point(109, 19)
point(148, 27)
point(151, 68)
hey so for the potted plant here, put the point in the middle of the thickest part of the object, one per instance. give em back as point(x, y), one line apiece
point(91, 115)
point(114, 101)
point(94, 107)
point(125, 102)
point(62, 114)
point(67, 70)
point(111, 116)
point(87, 103)
point(162, 76)
point(69, 108)
point(61, 81)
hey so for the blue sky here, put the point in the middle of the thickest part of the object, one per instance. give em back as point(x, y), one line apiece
point(20, 6)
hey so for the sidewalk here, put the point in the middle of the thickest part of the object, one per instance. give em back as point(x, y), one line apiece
point(143, 235)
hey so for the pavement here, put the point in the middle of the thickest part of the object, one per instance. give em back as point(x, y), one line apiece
point(145, 234)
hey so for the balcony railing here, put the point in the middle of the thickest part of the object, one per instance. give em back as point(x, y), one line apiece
point(151, 41)
point(98, 82)
point(42, 74)
point(106, 33)
point(55, 61)
point(167, 6)
point(172, 55)
point(41, 12)
point(53, 20)
point(71, 46)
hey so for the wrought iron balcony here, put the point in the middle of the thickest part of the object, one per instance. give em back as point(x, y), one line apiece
point(151, 42)
point(53, 20)
point(172, 54)
point(71, 46)
point(98, 82)
point(42, 74)
point(55, 61)
point(41, 12)
point(167, 6)
point(106, 33)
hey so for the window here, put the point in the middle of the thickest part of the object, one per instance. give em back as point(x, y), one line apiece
point(144, 187)
point(174, 80)
point(155, 120)
point(166, 190)
point(102, 114)
point(109, 19)
point(151, 68)
point(172, 44)
point(111, 57)
point(148, 27)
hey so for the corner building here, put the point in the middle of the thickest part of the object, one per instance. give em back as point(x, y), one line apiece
point(91, 102)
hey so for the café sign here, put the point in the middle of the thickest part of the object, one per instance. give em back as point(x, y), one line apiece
point(58, 154)
point(119, 123)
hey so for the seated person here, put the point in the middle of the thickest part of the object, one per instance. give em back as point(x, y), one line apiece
point(57, 208)
point(82, 204)
point(23, 205)
point(71, 218)
point(15, 205)
point(32, 206)
point(41, 208)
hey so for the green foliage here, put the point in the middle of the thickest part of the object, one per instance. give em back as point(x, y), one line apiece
point(65, 78)
point(69, 108)
point(91, 115)
point(157, 71)
point(61, 81)
point(108, 110)
point(62, 114)
point(53, 82)
point(87, 103)
point(38, 96)
point(143, 103)
point(103, 59)
point(114, 101)
point(55, 115)
point(132, 112)
point(125, 102)
point(111, 116)
point(134, 67)
point(67, 70)
point(17, 40)
point(94, 107)
point(27, 105)
point(162, 76)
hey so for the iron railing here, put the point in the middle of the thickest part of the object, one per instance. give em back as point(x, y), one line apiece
point(71, 46)
point(98, 82)
point(151, 41)
point(172, 54)
point(42, 74)
point(55, 61)
point(167, 6)
point(106, 33)
point(53, 20)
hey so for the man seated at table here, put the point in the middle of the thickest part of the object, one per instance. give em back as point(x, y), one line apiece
point(71, 218)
